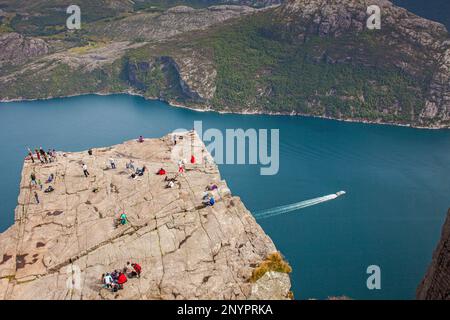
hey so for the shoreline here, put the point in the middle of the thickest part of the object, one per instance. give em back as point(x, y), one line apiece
point(245, 112)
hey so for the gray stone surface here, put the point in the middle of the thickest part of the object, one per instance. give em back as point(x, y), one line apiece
point(59, 248)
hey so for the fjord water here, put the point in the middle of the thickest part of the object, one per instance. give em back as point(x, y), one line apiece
point(397, 181)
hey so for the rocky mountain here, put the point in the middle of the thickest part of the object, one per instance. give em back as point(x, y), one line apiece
point(308, 57)
point(17, 49)
point(436, 283)
point(59, 248)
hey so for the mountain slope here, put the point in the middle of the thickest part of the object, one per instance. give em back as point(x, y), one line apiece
point(312, 57)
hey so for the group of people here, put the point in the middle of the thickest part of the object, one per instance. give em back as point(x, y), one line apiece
point(36, 183)
point(116, 279)
point(42, 156)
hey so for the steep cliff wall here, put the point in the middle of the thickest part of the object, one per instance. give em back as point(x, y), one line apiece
point(60, 247)
point(436, 284)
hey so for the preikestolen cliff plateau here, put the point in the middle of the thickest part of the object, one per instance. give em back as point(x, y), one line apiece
point(259, 150)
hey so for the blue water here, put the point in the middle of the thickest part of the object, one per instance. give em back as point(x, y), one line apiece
point(397, 182)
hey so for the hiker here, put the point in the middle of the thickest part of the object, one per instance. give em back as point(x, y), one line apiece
point(50, 155)
point(137, 270)
point(38, 155)
point(123, 219)
point(49, 189)
point(208, 199)
point(130, 165)
point(141, 139)
point(40, 184)
point(43, 154)
point(107, 280)
point(115, 275)
point(54, 154)
point(170, 184)
point(85, 170)
point(30, 154)
point(174, 139)
point(140, 172)
point(33, 179)
point(121, 280)
point(112, 162)
point(192, 159)
point(161, 172)
point(211, 187)
point(90, 152)
point(50, 178)
point(36, 197)
point(180, 166)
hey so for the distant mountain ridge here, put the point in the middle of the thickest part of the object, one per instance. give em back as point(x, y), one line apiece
point(306, 57)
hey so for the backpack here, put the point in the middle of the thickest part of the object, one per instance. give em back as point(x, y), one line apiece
point(137, 268)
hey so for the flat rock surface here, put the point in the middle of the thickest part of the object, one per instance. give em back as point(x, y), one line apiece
point(59, 249)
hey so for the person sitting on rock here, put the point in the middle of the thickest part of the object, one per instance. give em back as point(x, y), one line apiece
point(123, 219)
point(170, 184)
point(137, 270)
point(107, 280)
point(121, 280)
point(161, 172)
point(50, 178)
point(49, 189)
point(211, 187)
point(140, 172)
point(141, 139)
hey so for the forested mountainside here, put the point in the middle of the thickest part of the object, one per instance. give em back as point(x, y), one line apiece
point(311, 57)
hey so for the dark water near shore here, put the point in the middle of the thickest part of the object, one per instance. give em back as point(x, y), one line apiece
point(436, 10)
point(397, 182)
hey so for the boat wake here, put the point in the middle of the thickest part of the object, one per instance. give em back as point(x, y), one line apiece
point(267, 213)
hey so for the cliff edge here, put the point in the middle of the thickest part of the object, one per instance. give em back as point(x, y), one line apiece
point(60, 247)
point(436, 283)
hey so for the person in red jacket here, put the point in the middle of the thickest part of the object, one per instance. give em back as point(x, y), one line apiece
point(121, 280)
point(192, 159)
point(137, 269)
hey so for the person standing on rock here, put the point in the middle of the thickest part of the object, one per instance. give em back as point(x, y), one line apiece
point(85, 170)
point(38, 155)
point(30, 154)
point(43, 154)
point(36, 197)
point(180, 167)
point(33, 179)
point(112, 162)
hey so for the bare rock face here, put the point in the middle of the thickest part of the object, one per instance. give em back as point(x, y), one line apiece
point(16, 49)
point(412, 44)
point(271, 286)
point(59, 248)
point(175, 21)
point(436, 284)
